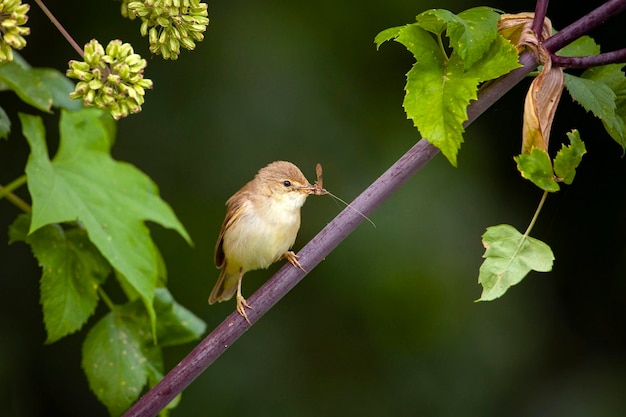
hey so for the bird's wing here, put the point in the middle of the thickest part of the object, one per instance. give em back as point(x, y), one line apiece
point(233, 213)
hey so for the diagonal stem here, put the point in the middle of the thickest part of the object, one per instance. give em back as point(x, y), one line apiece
point(60, 27)
point(224, 335)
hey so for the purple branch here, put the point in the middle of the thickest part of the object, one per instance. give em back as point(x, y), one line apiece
point(312, 254)
point(338, 229)
point(541, 9)
point(589, 61)
point(585, 24)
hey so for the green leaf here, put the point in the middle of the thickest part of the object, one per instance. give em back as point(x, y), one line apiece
point(537, 167)
point(73, 270)
point(439, 88)
point(59, 87)
point(387, 35)
point(18, 230)
point(26, 84)
point(594, 96)
point(509, 257)
point(119, 356)
point(438, 93)
point(500, 59)
point(111, 199)
point(176, 324)
point(471, 32)
point(569, 157)
point(585, 45)
point(5, 124)
point(114, 361)
point(613, 76)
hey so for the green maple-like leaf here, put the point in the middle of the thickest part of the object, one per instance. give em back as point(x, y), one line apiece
point(73, 269)
point(439, 88)
point(471, 32)
point(537, 168)
point(111, 199)
point(509, 257)
point(569, 157)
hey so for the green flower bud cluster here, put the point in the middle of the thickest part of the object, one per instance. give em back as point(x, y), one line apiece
point(112, 80)
point(124, 10)
point(169, 24)
point(12, 17)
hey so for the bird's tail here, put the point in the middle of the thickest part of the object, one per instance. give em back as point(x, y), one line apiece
point(225, 287)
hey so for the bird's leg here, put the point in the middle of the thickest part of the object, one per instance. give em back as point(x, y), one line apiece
point(242, 304)
point(293, 259)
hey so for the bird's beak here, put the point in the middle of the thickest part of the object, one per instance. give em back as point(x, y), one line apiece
point(313, 189)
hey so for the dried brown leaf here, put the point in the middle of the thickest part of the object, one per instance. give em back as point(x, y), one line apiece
point(540, 106)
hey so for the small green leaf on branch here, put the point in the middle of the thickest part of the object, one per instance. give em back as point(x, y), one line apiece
point(569, 157)
point(537, 168)
point(509, 257)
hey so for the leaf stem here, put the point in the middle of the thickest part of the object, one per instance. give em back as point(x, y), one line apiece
point(536, 216)
point(443, 49)
point(106, 299)
point(8, 193)
point(60, 27)
point(13, 185)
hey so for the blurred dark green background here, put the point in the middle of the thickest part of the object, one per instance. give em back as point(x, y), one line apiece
point(387, 324)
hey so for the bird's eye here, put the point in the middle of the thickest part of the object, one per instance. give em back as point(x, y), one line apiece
point(287, 183)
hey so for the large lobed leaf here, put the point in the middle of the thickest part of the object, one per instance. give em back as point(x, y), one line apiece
point(439, 88)
point(110, 199)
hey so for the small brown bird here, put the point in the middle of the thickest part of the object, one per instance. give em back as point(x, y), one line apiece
point(261, 224)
